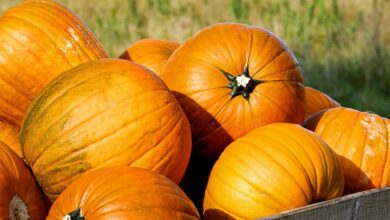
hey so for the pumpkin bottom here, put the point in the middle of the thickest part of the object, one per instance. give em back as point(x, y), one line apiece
point(18, 209)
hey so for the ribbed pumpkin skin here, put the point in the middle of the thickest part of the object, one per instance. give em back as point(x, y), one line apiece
point(105, 112)
point(152, 53)
point(362, 142)
point(9, 134)
point(195, 72)
point(317, 101)
point(272, 169)
point(16, 180)
point(39, 39)
point(124, 193)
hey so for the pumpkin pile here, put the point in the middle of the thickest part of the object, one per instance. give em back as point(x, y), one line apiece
point(222, 126)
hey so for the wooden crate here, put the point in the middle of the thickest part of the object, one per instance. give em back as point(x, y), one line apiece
point(371, 204)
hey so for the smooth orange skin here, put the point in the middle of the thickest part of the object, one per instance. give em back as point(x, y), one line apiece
point(102, 113)
point(272, 169)
point(193, 73)
point(317, 101)
point(152, 53)
point(17, 179)
point(124, 193)
point(39, 39)
point(362, 142)
point(9, 134)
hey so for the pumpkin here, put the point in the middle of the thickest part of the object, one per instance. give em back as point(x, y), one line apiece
point(102, 113)
point(231, 78)
point(9, 134)
point(152, 53)
point(20, 197)
point(317, 101)
point(38, 40)
point(123, 193)
point(272, 169)
point(361, 140)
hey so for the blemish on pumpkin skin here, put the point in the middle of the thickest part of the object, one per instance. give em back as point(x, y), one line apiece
point(73, 33)
point(372, 127)
point(369, 151)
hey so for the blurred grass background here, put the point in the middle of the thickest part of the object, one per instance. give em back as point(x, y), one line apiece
point(343, 45)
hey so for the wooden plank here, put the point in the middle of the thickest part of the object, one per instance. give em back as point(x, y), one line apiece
point(370, 204)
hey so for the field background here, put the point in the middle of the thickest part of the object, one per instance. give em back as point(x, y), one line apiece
point(343, 46)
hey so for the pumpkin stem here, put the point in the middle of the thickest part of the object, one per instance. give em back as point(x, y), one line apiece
point(74, 215)
point(242, 84)
point(18, 209)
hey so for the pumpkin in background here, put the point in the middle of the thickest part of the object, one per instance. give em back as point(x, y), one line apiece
point(9, 134)
point(152, 53)
point(38, 40)
point(231, 78)
point(317, 101)
point(123, 193)
point(272, 169)
point(106, 112)
point(20, 196)
point(361, 140)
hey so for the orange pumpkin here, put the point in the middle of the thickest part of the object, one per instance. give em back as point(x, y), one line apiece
point(9, 134)
point(39, 39)
point(105, 112)
point(272, 169)
point(20, 196)
point(152, 53)
point(123, 193)
point(317, 101)
point(361, 140)
point(231, 78)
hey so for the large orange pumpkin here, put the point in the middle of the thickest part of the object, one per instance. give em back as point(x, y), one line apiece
point(20, 196)
point(231, 78)
point(273, 168)
point(9, 134)
point(362, 141)
point(105, 112)
point(123, 193)
point(39, 39)
point(152, 53)
point(317, 101)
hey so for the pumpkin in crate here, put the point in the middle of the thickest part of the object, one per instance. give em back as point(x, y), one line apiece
point(20, 196)
point(317, 101)
point(152, 53)
point(123, 193)
point(361, 140)
point(105, 112)
point(272, 169)
point(9, 134)
point(38, 40)
point(231, 78)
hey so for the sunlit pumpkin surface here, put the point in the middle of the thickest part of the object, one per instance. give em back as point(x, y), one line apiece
point(317, 101)
point(106, 112)
point(272, 169)
point(231, 78)
point(361, 140)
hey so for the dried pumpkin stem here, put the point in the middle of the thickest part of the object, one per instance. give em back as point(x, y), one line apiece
point(18, 209)
point(74, 215)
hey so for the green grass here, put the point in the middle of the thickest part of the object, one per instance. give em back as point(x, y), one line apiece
point(343, 46)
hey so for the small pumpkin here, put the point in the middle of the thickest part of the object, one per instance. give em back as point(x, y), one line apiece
point(123, 193)
point(362, 141)
point(20, 196)
point(39, 39)
point(317, 101)
point(152, 53)
point(102, 113)
point(272, 169)
point(231, 78)
point(9, 134)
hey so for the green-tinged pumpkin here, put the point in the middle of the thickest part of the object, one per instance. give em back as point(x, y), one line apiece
point(231, 78)
point(362, 141)
point(39, 39)
point(272, 169)
point(123, 193)
point(20, 196)
point(102, 113)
